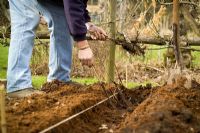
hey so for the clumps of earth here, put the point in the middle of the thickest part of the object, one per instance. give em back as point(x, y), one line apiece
point(166, 109)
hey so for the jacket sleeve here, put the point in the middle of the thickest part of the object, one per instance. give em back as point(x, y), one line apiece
point(86, 13)
point(77, 15)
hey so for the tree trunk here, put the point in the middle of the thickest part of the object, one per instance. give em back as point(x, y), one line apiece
point(176, 34)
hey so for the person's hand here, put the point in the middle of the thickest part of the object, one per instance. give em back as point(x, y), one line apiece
point(85, 53)
point(96, 32)
point(42, 21)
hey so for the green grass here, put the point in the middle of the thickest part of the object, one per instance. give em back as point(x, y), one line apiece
point(154, 55)
point(196, 56)
point(38, 81)
point(3, 61)
point(131, 85)
point(149, 56)
point(86, 81)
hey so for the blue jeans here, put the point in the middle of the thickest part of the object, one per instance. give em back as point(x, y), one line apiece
point(25, 17)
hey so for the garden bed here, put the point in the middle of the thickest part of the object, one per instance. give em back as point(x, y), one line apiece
point(171, 108)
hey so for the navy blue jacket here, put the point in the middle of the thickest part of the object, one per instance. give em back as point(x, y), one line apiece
point(77, 15)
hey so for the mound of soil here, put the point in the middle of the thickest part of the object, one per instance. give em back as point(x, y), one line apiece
point(170, 108)
point(37, 112)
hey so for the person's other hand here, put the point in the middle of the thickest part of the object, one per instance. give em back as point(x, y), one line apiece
point(85, 53)
point(96, 32)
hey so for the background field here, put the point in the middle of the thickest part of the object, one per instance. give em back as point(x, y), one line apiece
point(151, 57)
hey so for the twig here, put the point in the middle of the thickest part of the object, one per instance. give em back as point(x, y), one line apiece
point(154, 68)
point(191, 49)
point(3, 114)
point(183, 2)
point(184, 48)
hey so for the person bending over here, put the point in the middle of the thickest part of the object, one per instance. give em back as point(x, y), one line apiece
point(65, 18)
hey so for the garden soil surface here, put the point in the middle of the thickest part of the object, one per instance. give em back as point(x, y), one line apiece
point(166, 109)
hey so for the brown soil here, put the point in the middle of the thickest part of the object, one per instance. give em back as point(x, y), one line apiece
point(154, 110)
point(171, 108)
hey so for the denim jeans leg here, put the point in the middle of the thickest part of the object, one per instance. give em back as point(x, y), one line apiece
point(24, 20)
point(60, 54)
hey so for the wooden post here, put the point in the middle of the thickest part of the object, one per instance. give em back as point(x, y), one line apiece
point(126, 75)
point(3, 114)
point(176, 34)
point(110, 72)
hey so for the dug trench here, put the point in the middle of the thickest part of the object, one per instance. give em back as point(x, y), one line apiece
point(166, 109)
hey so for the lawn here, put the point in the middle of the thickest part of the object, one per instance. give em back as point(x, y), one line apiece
point(39, 80)
point(154, 56)
point(196, 56)
point(3, 61)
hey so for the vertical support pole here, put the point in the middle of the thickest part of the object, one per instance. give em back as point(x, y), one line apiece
point(176, 34)
point(2, 105)
point(111, 59)
point(126, 75)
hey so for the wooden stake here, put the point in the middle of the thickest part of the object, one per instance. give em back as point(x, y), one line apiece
point(126, 75)
point(3, 114)
point(111, 60)
point(176, 34)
